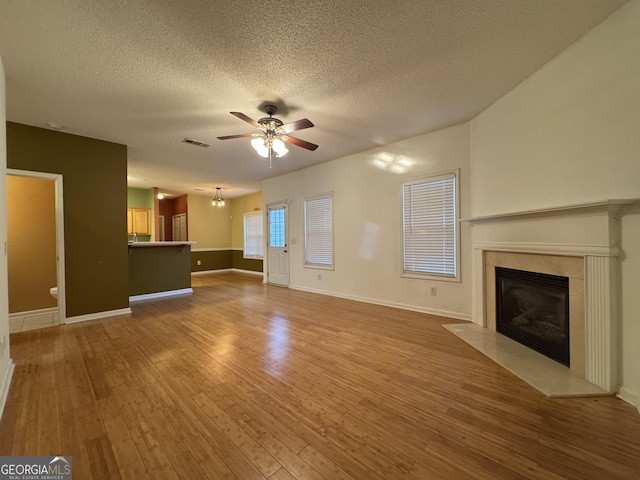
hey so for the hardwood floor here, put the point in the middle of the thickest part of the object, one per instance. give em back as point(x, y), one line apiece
point(246, 381)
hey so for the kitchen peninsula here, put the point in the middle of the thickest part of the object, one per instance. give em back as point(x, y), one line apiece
point(158, 269)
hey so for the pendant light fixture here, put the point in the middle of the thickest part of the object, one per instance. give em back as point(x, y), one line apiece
point(217, 198)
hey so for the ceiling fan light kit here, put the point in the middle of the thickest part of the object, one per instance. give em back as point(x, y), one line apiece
point(273, 134)
point(262, 144)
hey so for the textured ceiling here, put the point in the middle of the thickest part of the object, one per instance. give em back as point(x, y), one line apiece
point(147, 73)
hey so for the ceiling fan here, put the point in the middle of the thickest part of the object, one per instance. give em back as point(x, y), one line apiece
point(273, 134)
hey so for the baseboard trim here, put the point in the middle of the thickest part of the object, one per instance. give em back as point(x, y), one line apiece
point(250, 272)
point(98, 315)
point(226, 270)
point(401, 306)
point(168, 293)
point(206, 272)
point(6, 384)
point(196, 250)
point(33, 319)
point(629, 396)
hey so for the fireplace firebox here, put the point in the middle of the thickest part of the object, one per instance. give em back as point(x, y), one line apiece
point(533, 309)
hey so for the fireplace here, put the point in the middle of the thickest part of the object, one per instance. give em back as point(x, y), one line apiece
point(533, 309)
point(580, 242)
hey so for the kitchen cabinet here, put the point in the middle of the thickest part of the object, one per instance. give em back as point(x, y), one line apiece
point(138, 221)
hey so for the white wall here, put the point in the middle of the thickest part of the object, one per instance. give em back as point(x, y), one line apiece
point(630, 335)
point(367, 223)
point(570, 134)
point(6, 365)
point(566, 135)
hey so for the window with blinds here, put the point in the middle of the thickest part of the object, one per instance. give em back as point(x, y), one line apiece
point(318, 231)
point(253, 234)
point(429, 226)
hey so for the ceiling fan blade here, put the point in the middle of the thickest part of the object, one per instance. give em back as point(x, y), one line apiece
point(240, 135)
point(242, 116)
point(301, 143)
point(297, 125)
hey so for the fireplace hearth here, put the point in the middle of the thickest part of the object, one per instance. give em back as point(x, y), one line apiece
point(533, 309)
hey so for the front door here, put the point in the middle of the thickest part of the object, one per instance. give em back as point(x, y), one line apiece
point(277, 249)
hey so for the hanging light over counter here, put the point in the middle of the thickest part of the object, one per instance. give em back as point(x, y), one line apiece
point(217, 198)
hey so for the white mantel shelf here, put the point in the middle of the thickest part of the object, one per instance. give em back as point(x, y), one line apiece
point(611, 206)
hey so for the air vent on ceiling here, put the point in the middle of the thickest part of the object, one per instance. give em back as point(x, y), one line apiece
point(191, 141)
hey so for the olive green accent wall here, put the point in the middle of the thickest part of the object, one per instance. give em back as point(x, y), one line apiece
point(211, 260)
point(95, 204)
point(251, 264)
point(159, 269)
point(222, 260)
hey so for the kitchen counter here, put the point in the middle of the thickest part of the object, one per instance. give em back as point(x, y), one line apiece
point(159, 269)
point(158, 244)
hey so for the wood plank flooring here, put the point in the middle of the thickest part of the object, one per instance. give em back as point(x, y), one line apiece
point(247, 381)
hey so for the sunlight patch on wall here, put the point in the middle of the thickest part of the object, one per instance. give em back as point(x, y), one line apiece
point(397, 164)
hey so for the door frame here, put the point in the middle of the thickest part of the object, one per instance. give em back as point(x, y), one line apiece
point(160, 229)
point(275, 206)
point(59, 214)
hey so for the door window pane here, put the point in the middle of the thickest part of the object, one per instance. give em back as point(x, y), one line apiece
point(276, 228)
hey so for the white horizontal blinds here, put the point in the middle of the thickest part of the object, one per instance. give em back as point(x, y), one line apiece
point(429, 225)
point(318, 231)
point(253, 234)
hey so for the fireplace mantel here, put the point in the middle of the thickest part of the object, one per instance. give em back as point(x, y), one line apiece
point(588, 231)
point(611, 206)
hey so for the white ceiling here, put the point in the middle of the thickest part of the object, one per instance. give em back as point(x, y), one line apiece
point(147, 73)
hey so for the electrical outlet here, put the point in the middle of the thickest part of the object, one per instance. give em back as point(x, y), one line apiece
point(2, 342)
point(199, 262)
point(434, 290)
point(319, 276)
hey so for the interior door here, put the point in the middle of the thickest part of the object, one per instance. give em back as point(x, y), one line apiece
point(179, 223)
point(277, 249)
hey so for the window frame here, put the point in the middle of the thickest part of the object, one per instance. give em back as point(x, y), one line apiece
point(455, 175)
point(258, 215)
point(306, 200)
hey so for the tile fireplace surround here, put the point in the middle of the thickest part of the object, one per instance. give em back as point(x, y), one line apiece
point(580, 242)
